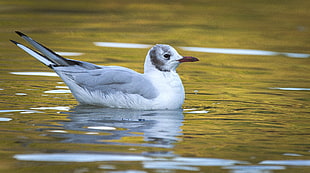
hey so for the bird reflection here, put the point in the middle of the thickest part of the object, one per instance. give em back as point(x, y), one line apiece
point(88, 124)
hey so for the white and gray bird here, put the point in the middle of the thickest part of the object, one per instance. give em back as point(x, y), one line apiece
point(159, 87)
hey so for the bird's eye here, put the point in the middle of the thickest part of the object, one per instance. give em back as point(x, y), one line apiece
point(167, 56)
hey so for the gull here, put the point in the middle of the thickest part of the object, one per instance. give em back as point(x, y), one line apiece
point(159, 87)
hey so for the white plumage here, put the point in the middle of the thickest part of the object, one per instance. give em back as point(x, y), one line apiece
point(159, 87)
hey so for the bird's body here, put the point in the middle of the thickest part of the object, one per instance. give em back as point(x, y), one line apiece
point(127, 89)
point(159, 87)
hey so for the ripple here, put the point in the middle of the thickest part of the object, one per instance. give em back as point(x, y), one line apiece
point(197, 112)
point(291, 89)
point(60, 108)
point(35, 73)
point(21, 111)
point(292, 154)
point(245, 52)
point(254, 168)
point(189, 164)
point(229, 51)
point(209, 50)
point(5, 119)
point(92, 133)
point(169, 165)
point(106, 167)
point(57, 91)
point(79, 157)
point(21, 94)
point(287, 162)
point(122, 45)
point(66, 87)
point(58, 131)
point(101, 128)
point(179, 163)
point(70, 53)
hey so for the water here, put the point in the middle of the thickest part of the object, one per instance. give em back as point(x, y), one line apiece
point(202, 49)
point(247, 99)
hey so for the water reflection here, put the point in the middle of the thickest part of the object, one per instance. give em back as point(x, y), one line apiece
point(121, 45)
point(245, 52)
point(5, 119)
point(60, 108)
point(70, 53)
point(254, 169)
point(21, 111)
point(57, 91)
point(105, 125)
point(35, 73)
point(291, 89)
point(157, 163)
point(209, 50)
point(88, 124)
point(287, 162)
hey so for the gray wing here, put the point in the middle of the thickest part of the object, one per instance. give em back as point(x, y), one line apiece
point(49, 57)
point(113, 79)
point(106, 79)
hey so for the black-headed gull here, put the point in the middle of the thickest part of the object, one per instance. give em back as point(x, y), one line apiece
point(159, 87)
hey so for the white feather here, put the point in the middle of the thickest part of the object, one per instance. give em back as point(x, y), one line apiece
point(36, 55)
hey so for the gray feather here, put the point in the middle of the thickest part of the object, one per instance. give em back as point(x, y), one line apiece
point(109, 80)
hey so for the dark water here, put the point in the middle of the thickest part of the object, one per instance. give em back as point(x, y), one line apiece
point(247, 99)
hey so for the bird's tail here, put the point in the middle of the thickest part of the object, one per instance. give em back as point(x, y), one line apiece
point(47, 56)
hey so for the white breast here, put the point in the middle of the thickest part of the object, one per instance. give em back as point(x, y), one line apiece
point(170, 88)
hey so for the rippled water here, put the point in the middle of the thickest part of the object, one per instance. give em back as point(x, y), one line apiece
point(204, 49)
point(247, 99)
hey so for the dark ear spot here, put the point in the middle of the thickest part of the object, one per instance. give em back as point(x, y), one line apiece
point(157, 62)
point(153, 56)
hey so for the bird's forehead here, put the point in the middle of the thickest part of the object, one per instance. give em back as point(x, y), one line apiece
point(163, 48)
point(166, 48)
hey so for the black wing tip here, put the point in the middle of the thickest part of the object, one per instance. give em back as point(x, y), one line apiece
point(20, 33)
point(15, 42)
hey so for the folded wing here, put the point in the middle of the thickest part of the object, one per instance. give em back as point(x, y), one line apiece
point(91, 77)
point(110, 80)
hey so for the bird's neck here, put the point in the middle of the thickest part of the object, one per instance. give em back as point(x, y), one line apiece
point(164, 79)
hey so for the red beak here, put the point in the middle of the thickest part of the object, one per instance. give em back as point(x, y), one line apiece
point(188, 59)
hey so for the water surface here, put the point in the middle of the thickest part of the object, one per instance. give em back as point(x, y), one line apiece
point(247, 99)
